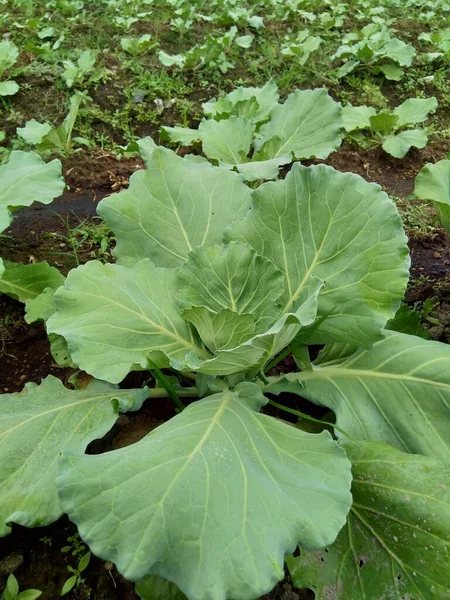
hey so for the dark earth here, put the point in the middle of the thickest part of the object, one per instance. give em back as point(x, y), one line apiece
point(35, 556)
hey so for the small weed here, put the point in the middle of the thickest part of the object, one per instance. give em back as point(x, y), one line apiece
point(75, 547)
point(12, 591)
point(76, 579)
point(46, 540)
point(419, 219)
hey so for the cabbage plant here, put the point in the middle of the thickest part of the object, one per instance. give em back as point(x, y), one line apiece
point(433, 184)
point(55, 140)
point(24, 179)
point(394, 130)
point(250, 131)
point(375, 49)
point(9, 53)
point(214, 283)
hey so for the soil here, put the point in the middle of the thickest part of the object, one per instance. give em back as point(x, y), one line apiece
point(38, 234)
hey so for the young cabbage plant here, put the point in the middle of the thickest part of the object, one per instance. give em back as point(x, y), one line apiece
point(8, 57)
point(216, 282)
point(56, 140)
point(440, 40)
point(375, 49)
point(212, 53)
point(301, 47)
point(433, 184)
point(392, 129)
point(250, 131)
point(84, 72)
point(24, 179)
point(138, 45)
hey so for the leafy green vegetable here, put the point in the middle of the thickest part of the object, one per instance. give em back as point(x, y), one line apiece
point(8, 57)
point(148, 303)
point(253, 482)
point(302, 46)
point(58, 139)
point(370, 48)
point(433, 183)
point(251, 132)
point(35, 427)
point(25, 179)
point(26, 282)
point(387, 128)
point(172, 207)
point(414, 371)
point(83, 72)
point(396, 542)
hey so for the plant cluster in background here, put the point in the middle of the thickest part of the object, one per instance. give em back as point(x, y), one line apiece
point(132, 58)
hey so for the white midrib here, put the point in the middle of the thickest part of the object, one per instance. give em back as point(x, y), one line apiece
point(301, 285)
point(227, 398)
point(14, 286)
point(335, 372)
point(59, 408)
point(175, 209)
point(158, 327)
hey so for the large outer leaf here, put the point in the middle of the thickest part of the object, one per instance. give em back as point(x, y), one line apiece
point(228, 140)
point(114, 317)
point(8, 88)
point(357, 117)
point(233, 277)
point(241, 101)
point(182, 135)
point(35, 427)
point(415, 110)
point(33, 132)
point(9, 53)
point(397, 539)
point(172, 207)
point(26, 282)
point(307, 125)
point(398, 392)
point(433, 182)
point(398, 145)
point(27, 178)
point(402, 53)
point(212, 499)
point(337, 227)
point(40, 308)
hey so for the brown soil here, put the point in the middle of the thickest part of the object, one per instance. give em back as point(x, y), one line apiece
point(102, 173)
point(396, 176)
point(35, 555)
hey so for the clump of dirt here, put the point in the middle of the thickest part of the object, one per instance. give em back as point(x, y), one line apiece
point(430, 257)
point(102, 173)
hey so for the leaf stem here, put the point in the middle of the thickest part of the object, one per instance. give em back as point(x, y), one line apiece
point(292, 411)
point(166, 384)
point(159, 392)
point(278, 359)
